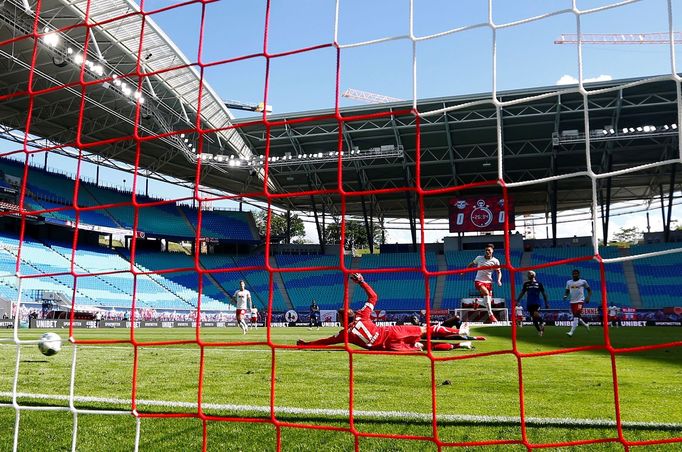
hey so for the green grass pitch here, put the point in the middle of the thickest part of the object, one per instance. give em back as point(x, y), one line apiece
point(569, 396)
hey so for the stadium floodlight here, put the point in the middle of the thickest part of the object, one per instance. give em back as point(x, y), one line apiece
point(255, 163)
point(608, 133)
point(78, 59)
point(51, 38)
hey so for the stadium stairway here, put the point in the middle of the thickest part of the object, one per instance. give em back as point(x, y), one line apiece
point(215, 282)
point(67, 262)
point(440, 282)
point(190, 226)
point(278, 281)
point(104, 212)
point(631, 280)
point(56, 283)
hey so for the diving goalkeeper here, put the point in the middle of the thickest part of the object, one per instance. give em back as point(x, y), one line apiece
point(364, 333)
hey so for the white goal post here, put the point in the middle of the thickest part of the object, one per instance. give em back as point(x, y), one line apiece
point(473, 310)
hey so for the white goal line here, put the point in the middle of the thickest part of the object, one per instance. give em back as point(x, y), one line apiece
point(387, 415)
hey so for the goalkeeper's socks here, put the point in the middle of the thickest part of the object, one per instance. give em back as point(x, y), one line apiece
point(443, 332)
point(442, 346)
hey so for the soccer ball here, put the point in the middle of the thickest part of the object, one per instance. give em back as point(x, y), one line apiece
point(50, 344)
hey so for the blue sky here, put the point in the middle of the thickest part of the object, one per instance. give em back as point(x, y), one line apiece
point(459, 63)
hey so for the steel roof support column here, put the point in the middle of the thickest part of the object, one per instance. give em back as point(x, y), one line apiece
point(605, 201)
point(368, 229)
point(605, 204)
point(408, 194)
point(287, 237)
point(451, 147)
point(553, 195)
point(662, 198)
point(410, 208)
point(320, 231)
point(365, 183)
point(671, 190)
point(323, 237)
point(553, 185)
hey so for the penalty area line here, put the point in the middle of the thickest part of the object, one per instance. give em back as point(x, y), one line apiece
point(373, 415)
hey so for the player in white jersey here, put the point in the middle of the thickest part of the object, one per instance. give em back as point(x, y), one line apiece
point(484, 277)
point(614, 314)
point(575, 288)
point(519, 315)
point(242, 299)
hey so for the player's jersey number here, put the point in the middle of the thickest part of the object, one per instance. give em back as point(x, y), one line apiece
point(361, 331)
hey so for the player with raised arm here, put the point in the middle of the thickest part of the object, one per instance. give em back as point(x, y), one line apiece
point(534, 289)
point(484, 277)
point(575, 288)
point(363, 332)
point(242, 300)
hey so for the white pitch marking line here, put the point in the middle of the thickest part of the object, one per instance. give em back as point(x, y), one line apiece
point(478, 419)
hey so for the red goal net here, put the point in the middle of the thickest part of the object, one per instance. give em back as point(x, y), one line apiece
point(116, 89)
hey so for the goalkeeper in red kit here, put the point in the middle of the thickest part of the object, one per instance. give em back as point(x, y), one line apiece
point(364, 333)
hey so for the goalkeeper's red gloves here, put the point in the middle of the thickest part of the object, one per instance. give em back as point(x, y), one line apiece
point(357, 278)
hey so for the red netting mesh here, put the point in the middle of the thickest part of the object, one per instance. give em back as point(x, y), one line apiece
point(137, 78)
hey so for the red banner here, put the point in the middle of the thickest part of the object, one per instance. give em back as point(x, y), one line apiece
point(479, 213)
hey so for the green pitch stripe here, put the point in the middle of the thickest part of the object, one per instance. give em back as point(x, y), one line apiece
point(387, 415)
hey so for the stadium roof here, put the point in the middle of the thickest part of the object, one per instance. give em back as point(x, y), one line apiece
point(541, 134)
point(541, 130)
point(108, 54)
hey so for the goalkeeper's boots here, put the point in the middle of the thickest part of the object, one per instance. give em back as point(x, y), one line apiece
point(466, 345)
point(464, 329)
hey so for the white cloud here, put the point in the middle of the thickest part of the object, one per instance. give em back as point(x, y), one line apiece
point(570, 80)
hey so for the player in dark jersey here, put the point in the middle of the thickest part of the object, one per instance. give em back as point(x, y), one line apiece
point(363, 332)
point(534, 288)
